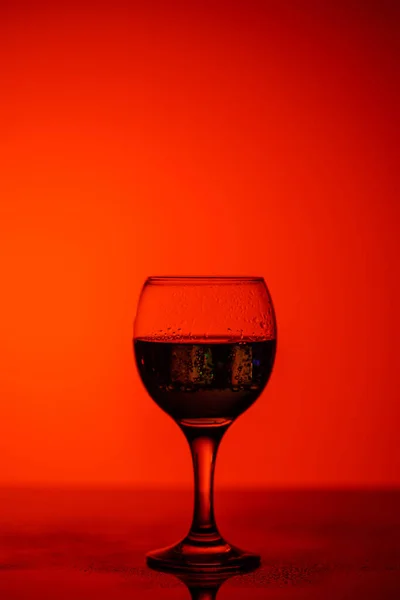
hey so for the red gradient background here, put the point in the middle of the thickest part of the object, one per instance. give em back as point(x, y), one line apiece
point(229, 138)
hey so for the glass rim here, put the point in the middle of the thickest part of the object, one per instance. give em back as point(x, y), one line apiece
point(202, 279)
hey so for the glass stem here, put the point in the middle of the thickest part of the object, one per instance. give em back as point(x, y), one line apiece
point(204, 446)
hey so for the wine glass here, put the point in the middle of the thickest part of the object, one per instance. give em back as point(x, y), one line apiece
point(204, 348)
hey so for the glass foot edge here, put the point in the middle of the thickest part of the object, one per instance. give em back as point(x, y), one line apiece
point(231, 561)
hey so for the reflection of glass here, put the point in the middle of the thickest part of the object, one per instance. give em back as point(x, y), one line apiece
point(204, 347)
point(203, 587)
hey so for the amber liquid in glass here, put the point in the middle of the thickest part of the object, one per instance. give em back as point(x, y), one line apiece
point(204, 382)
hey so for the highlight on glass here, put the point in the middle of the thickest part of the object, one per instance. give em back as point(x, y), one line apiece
point(205, 349)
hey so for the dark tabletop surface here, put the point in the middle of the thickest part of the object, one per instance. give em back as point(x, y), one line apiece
point(83, 544)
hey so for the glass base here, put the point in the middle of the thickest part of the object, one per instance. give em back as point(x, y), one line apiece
point(192, 556)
